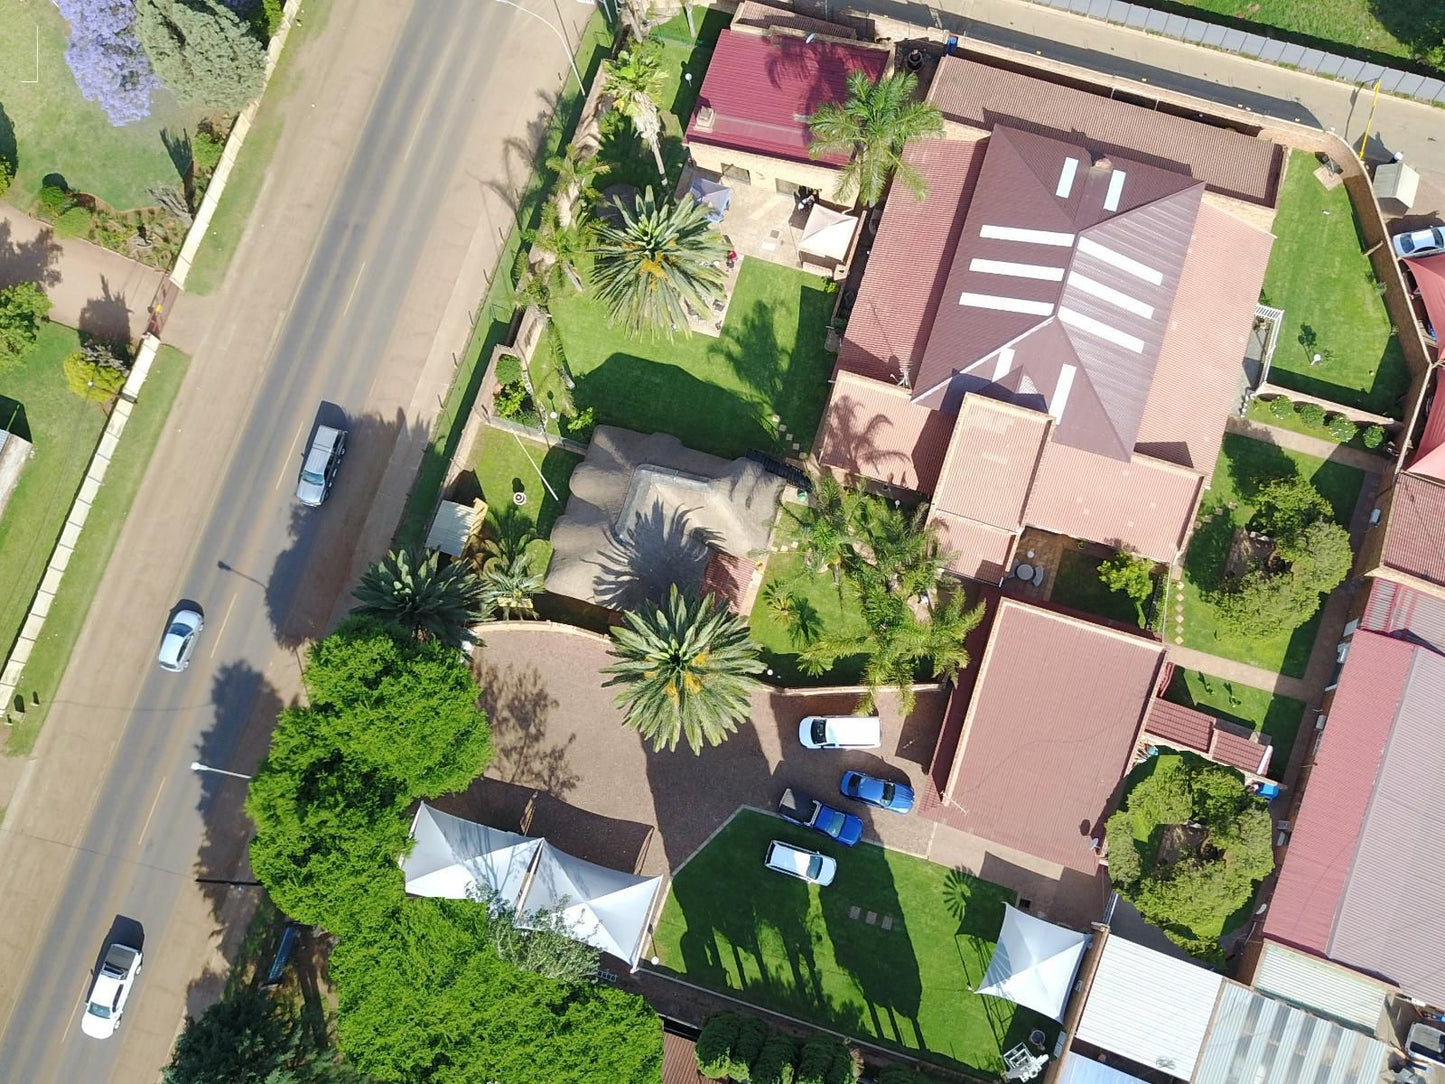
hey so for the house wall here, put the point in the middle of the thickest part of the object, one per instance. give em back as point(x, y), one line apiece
point(765, 171)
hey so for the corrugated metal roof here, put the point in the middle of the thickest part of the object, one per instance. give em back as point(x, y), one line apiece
point(1332, 813)
point(1415, 533)
point(1319, 986)
point(1433, 435)
point(1395, 609)
point(1179, 727)
point(909, 262)
point(873, 430)
point(1257, 1040)
point(980, 550)
point(1078, 1069)
point(764, 16)
point(1050, 731)
point(762, 89)
point(1148, 1007)
point(1390, 916)
point(1229, 162)
point(728, 578)
point(990, 463)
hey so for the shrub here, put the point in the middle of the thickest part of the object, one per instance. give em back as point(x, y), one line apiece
point(715, 1044)
point(73, 223)
point(1281, 406)
point(752, 1035)
point(54, 200)
point(94, 382)
point(509, 370)
point(509, 400)
point(1342, 429)
point(7, 174)
point(1373, 436)
point(1124, 862)
point(1129, 573)
point(581, 424)
point(777, 1062)
point(22, 308)
point(206, 148)
point(1312, 414)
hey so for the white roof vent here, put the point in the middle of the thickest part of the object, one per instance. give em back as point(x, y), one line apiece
point(706, 118)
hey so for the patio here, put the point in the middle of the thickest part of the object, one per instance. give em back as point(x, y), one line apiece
point(1035, 565)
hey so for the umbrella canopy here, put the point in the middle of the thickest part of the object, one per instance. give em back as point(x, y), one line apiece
point(1034, 963)
point(827, 233)
point(716, 197)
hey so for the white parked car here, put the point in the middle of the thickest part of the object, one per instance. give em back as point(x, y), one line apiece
point(841, 732)
point(180, 640)
point(810, 866)
point(1418, 244)
point(318, 469)
point(111, 991)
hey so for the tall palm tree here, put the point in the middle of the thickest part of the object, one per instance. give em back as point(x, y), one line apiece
point(873, 126)
point(828, 526)
point(510, 584)
point(905, 548)
point(575, 174)
point(686, 669)
point(563, 250)
point(635, 81)
point(409, 588)
point(660, 262)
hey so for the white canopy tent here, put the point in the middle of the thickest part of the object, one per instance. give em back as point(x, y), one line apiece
point(1034, 963)
point(459, 859)
point(827, 233)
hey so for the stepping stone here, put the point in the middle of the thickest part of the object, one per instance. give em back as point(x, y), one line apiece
point(854, 912)
point(1179, 639)
point(776, 419)
point(871, 917)
point(887, 922)
point(795, 445)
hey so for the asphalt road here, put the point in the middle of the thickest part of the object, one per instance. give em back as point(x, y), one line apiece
point(266, 573)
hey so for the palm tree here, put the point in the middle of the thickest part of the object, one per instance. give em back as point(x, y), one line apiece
point(509, 584)
point(575, 174)
point(660, 262)
point(409, 588)
point(687, 669)
point(828, 526)
point(873, 126)
point(905, 548)
point(559, 253)
point(635, 81)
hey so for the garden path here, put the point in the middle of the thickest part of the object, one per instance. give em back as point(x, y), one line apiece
point(1318, 447)
point(1254, 676)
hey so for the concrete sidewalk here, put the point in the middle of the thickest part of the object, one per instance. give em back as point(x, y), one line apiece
point(93, 289)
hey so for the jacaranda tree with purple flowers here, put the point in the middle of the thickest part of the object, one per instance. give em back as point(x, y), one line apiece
point(109, 65)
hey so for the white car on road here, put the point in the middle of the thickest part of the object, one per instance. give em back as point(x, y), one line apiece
point(111, 991)
point(180, 640)
point(810, 866)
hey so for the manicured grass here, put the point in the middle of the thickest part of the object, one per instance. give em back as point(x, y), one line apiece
point(1383, 26)
point(1243, 465)
point(1319, 275)
point(1277, 716)
point(837, 611)
point(732, 925)
point(715, 394)
point(504, 465)
point(102, 528)
point(1078, 587)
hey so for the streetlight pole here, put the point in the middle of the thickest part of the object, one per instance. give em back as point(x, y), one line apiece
point(197, 766)
point(572, 63)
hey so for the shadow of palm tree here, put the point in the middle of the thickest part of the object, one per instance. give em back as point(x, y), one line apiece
point(659, 549)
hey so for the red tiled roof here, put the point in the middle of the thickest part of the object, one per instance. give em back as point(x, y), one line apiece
point(1337, 795)
point(1199, 377)
point(762, 88)
point(909, 262)
point(873, 430)
point(1229, 162)
point(1050, 731)
point(679, 1060)
point(728, 579)
point(1144, 505)
point(1178, 726)
point(991, 461)
point(1236, 747)
point(1415, 534)
point(765, 16)
point(980, 550)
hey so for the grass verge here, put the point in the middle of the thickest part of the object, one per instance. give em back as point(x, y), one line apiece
point(1257, 709)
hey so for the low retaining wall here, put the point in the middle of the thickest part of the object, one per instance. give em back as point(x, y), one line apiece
point(1362, 418)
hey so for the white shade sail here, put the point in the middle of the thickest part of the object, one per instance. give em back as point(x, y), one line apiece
point(602, 907)
point(452, 857)
point(1034, 963)
point(827, 233)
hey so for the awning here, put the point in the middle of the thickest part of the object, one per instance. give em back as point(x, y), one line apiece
point(1430, 277)
point(452, 526)
point(827, 233)
point(1078, 1069)
point(716, 197)
point(455, 858)
point(1034, 963)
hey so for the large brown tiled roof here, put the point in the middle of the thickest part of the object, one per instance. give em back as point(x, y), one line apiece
point(1179, 727)
point(1050, 731)
point(873, 430)
point(909, 262)
point(729, 579)
point(1229, 162)
point(991, 461)
point(1415, 534)
point(979, 551)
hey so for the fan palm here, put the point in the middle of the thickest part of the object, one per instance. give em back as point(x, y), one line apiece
point(575, 174)
point(410, 588)
point(873, 126)
point(635, 81)
point(509, 584)
point(661, 261)
point(687, 669)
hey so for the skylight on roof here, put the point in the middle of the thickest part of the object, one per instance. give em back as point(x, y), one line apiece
point(1031, 237)
point(1090, 247)
point(1060, 399)
point(1066, 178)
point(1006, 304)
point(1095, 288)
point(1116, 189)
point(1090, 326)
point(1018, 270)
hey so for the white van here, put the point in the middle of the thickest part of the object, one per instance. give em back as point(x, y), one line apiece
point(841, 732)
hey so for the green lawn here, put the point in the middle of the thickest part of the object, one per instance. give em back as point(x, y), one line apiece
point(1259, 412)
point(715, 394)
point(1243, 465)
point(505, 464)
point(58, 131)
point(731, 925)
point(102, 527)
point(1078, 587)
point(1277, 716)
point(1382, 26)
point(1319, 275)
point(838, 614)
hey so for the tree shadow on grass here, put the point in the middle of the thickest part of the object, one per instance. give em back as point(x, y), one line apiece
point(9, 148)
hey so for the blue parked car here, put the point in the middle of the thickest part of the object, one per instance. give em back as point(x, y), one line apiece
point(797, 807)
point(895, 797)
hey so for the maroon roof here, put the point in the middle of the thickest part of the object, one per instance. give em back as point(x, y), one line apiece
point(909, 262)
point(872, 429)
point(1238, 747)
point(1061, 287)
point(1433, 435)
point(1178, 726)
point(1397, 610)
point(1337, 795)
point(679, 1060)
point(1049, 732)
point(763, 87)
point(1415, 534)
point(1229, 162)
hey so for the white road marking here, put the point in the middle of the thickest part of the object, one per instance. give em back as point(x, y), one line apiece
point(220, 631)
point(71, 1021)
point(410, 143)
point(352, 296)
point(286, 466)
point(152, 813)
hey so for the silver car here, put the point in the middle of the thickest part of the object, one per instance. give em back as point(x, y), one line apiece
point(106, 1003)
point(180, 640)
point(318, 471)
point(1418, 244)
point(810, 866)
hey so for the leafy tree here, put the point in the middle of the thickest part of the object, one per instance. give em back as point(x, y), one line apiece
point(207, 146)
point(202, 51)
point(715, 1044)
point(106, 58)
point(1125, 864)
point(873, 127)
point(22, 309)
point(752, 1035)
point(575, 173)
point(777, 1062)
point(635, 81)
point(686, 669)
point(7, 175)
point(410, 588)
point(1285, 506)
point(663, 260)
point(510, 586)
point(93, 379)
point(541, 942)
point(563, 250)
point(1130, 574)
point(425, 999)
